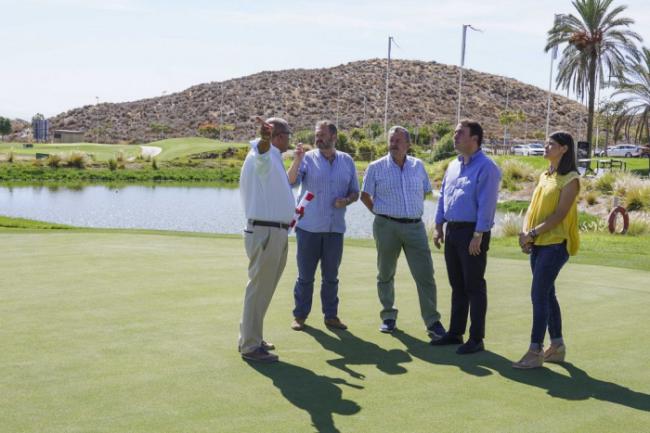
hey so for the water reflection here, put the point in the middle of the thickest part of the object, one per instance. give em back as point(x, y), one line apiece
point(196, 209)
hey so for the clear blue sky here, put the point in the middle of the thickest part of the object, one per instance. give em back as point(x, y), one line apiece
point(62, 54)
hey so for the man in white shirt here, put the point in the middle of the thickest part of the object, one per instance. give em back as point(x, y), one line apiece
point(269, 206)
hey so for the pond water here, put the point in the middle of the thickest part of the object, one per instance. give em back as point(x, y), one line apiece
point(194, 209)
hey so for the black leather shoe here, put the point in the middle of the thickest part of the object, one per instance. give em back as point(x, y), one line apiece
point(447, 340)
point(471, 346)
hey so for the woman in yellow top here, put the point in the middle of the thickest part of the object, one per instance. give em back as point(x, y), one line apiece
point(550, 236)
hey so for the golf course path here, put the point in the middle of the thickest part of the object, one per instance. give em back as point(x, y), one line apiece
point(150, 150)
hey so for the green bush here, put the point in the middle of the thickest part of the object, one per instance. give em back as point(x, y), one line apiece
point(366, 150)
point(444, 148)
point(112, 164)
point(305, 136)
point(358, 134)
point(344, 144)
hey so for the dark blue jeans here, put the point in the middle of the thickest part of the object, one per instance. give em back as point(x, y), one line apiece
point(326, 248)
point(546, 262)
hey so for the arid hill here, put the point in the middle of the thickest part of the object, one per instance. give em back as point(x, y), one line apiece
point(353, 94)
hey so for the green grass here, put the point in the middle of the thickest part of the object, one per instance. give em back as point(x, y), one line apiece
point(172, 148)
point(109, 331)
point(22, 223)
point(27, 173)
point(101, 152)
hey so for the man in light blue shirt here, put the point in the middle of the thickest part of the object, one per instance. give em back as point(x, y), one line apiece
point(467, 204)
point(331, 175)
point(393, 189)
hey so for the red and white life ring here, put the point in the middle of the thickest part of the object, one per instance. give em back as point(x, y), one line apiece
point(611, 222)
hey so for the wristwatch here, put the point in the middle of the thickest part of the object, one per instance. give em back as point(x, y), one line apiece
point(477, 234)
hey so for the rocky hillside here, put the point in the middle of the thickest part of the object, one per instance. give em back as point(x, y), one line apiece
point(421, 92)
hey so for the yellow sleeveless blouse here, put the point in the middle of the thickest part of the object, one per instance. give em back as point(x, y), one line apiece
point(544, 202)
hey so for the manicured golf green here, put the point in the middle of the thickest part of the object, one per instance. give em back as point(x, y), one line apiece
point(136, 332)
point(172, 148)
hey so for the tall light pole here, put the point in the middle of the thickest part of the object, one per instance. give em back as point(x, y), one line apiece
point(391, 40)
point(220, 111)
point(550, 83)
point(462, 64)
point(505, 125)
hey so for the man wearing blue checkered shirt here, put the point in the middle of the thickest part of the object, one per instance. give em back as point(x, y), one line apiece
point(393, 189)
point(331, 175)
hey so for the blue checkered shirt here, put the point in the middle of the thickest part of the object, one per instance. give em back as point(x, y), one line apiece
point(328, 181)
point(397, 192)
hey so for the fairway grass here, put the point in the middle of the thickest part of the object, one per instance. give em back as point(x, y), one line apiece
point(137, 332)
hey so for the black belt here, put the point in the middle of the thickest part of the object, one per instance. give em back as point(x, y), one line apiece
point(460, 224)
point(269, 224)
point(401, 220)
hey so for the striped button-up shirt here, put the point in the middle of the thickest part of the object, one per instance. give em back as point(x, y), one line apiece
point(328, 181)
point(397, 192)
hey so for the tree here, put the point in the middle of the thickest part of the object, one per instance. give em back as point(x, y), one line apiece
point(5, 127)
point(635, 86)
point(441, 128)
point(598, 42)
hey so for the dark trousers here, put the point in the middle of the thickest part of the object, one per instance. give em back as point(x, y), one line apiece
point(326, 248)
point(546, 262)
point(466, 277)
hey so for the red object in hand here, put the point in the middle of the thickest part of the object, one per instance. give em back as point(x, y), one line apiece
point(300, 210)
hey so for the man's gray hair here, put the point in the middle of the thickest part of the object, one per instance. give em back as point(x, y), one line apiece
point(331, 126)
point(279, 125)
point(401, 129)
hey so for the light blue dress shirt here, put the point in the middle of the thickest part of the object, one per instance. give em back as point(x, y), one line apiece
point(328, 181)
point(397, 192)
point(469, 192)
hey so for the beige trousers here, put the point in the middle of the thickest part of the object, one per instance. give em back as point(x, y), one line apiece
point(266, 248)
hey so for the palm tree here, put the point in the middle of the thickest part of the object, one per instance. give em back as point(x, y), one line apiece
point(598, 42)
point(635, 86)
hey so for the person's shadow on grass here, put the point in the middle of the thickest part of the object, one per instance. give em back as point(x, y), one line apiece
point(355, 351)
point(578, 385)
point(318, 395)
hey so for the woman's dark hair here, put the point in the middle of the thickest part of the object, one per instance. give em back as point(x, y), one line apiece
point(568, 162)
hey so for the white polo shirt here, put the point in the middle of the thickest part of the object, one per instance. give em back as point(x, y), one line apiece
point(264, 186)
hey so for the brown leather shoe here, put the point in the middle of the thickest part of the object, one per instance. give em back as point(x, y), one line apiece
point(260, 355)
point(335, 323)
point(298, 324)
point(268, 345)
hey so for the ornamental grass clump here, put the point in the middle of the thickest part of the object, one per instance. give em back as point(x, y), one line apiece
point(637, 198)
point(510, 225)
point(605, 183)
point(514, 172)
point(54, 160)
point(78, 160)
point(591, 197)
point(639, 224)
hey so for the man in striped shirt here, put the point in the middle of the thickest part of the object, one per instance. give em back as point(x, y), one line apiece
point(393, 189)
point(331, 175)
